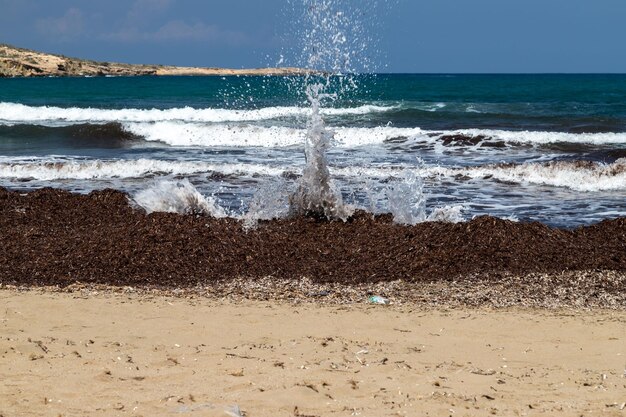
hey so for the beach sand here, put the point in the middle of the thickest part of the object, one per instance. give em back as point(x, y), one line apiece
point(140, 354)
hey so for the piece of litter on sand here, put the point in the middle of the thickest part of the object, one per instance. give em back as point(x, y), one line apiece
point(377, 299)
point(233, 411)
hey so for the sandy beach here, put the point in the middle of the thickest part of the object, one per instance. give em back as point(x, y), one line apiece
point(99, 353)
point(107, 310)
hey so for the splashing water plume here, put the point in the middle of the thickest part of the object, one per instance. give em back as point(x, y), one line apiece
point(330, 38)
point(335, 46)
point(406, 201)
point(177, 197)
point(269, 202)
point(316, 194)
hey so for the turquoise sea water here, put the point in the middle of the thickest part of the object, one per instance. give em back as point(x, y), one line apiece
point(532, 147)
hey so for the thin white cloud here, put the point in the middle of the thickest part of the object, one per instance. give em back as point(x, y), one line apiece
point(142, 10)
point(138, 26)
point(69, 26)
point(179, 30)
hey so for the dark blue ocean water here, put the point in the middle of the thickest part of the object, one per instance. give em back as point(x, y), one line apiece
point(531, 147)
point(570, 103)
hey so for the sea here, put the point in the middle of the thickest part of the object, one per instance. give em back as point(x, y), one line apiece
point(548, 148)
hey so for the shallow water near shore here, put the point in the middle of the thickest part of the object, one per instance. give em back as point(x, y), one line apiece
point(528, 147)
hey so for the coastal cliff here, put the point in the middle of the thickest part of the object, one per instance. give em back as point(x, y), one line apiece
point(18, 62)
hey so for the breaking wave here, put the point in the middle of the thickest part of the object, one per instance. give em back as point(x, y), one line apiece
point(575, 175)
point(583, 176)
point(185, 134)
point(207, 127)
point(14, 113)
point(139, 168)
point(106, 134)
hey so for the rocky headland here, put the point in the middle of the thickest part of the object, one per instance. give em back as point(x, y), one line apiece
point(18, 62)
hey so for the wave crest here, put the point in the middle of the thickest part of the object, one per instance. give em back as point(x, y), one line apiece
point(186, 134)
point(575, 175)
point(586, 176)
point(15, 113)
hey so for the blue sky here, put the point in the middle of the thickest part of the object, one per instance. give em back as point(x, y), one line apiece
point(413, 35)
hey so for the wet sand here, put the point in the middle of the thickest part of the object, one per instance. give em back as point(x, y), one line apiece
point(100, 353)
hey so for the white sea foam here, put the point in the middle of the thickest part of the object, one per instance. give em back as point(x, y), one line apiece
point(177, 197)
point(544, 138)
point(472, 109)
point(447, 214)
point(573, 175)
point(355, 136)
point(579, 176)
point(98, 169)
point(13, 113)
point(433, 107)
point(188, 134)
point(63, 169)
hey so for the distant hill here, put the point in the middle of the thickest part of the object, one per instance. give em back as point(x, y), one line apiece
point(18, 62)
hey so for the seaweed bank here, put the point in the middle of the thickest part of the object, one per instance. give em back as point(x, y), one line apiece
point(52, 237)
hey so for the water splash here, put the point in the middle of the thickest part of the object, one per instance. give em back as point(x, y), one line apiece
point(316, 194)
point(402, 197)
point(405, 199)
point(329, 37)
point(177, 197)
point(333, 36)
point(271, 201)
point(447, 214)
point(333, 44)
